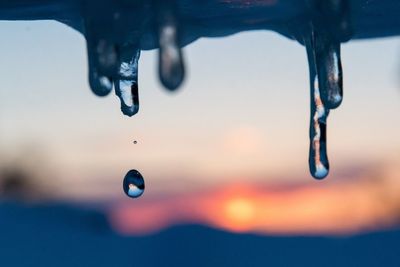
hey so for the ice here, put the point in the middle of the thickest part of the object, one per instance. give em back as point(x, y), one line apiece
point(171, 68)
point(117, 30)
point(126, 81)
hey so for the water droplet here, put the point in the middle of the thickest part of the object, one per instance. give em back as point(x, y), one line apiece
point(133, 184)
point(171, 67)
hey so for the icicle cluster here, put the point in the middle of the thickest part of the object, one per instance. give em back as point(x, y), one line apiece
point(114, 51)
point(113, 34)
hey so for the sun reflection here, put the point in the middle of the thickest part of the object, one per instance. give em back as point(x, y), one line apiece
point(239, 212)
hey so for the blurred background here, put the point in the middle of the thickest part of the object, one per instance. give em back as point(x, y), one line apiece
point(224, 159)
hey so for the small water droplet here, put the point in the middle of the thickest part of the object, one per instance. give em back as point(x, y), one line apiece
point(133, 184)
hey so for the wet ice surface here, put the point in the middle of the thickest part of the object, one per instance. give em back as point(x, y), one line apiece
point(117, 30)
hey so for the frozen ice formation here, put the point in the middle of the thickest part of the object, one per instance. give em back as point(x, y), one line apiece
point(117, 30)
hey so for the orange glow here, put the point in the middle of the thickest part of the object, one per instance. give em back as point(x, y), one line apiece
point(240, 213)
point(357, 204)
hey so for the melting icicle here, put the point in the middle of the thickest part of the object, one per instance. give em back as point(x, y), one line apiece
point(133, 184)
point(100, 69)
point(318, 157)
point(100, 85)
point(103, 57)
point(171, 67)
point(126, 84)
point(106, 56)
point(101, 48)
point(328, 24)
point(329, 68)
point(331, 24)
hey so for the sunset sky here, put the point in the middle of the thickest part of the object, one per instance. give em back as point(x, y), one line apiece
point(240, 121)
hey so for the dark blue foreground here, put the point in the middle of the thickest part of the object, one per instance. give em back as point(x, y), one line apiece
point(58, 235)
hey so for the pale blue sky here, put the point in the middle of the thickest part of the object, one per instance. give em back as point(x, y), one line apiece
point(242, 112)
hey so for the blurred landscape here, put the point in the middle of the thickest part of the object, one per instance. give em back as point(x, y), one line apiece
point(351, 220)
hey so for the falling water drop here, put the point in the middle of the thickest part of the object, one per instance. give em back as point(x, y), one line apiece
point(133, 184)
point(171, 66)
point(318, 157)
point(126, 84)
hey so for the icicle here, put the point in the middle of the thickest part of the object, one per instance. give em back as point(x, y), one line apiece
point(101, 47)
point(318, 158)
point(102, 62)
point(171, 66)
point(331, 24)
point(126, 82)
point(329, 69)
